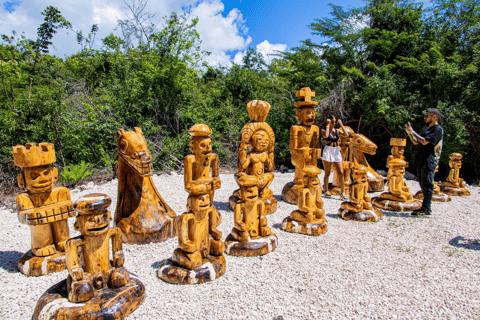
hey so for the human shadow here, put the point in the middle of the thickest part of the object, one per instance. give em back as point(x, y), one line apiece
point(277, 226)
point(221, 206)
point(9, 259)
point(403, 214)
point(461, 242)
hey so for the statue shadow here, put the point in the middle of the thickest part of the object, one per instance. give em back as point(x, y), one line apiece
point(332, 215)
point(461, 242)
point(403, 214)
point(9, 259)
point(221, 206)
point(157, 264)
point(277, 226)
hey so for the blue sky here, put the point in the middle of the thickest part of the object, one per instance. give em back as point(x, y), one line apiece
point(227, 28)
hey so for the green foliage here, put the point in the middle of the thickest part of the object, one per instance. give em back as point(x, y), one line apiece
point(73, 173)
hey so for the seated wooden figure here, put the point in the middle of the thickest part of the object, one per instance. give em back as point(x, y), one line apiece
point(202, 164)
point(310, 216)
point(199, 256)
point(398, 197)
point(96, 287)
point(304, 143)
point(437, 195)
point(359, 206)
point(141, 214)
point(43, 208)
point(345, 145)
point(454, 185)
point(250, 235)
point(258, 136)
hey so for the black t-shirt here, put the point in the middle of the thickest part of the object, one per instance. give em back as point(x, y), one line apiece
point(429, 154)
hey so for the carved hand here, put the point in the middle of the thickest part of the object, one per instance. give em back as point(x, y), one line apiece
point(239, 225)
point(217, 235)
point(189, 246)
point(76, 274)
point(118, 259)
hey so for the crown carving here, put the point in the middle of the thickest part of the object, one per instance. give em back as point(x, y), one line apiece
point(258, 110)
point(32, 155)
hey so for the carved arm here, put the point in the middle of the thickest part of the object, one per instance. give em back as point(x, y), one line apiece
point(73, 265)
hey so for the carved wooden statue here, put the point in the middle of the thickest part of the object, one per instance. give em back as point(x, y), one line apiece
point(250, 235)
point(437, 195)
point(398, 197)
point(96, 287)
point(398, 149)
point(359, 206)
point(199, 256)
point(141, 214)
point(202, 163)
point(257, 136)
point(304, 143)
point(310, 216)
point(43, 208)
point(454, 185)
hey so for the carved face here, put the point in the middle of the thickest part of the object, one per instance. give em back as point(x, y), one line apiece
point(202, 146)
point(93, 225)
point(132, 147)
point(249, 193)
point(260, 141)
point(398, 151)
point(456, 163)
point(201, 203)
point(313, 182)
point(398, 170)
point(306, 115)
point(359, 177)
point(39, 179)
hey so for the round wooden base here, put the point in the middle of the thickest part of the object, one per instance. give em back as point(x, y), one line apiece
point(460, 192)
point(169, 230)
point(270, 203)
point(213, 267)
point(314, 229)
point(106, 303)
point(439, 197)
point(366, 215)
point(392, 205)
point(31, 265)
point(252, 248)
point(375, 184)
point(290, 194)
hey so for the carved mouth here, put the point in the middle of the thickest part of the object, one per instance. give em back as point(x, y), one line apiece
point(99, 230)
point(253, 197)
point(143, 168)
point(368, 150)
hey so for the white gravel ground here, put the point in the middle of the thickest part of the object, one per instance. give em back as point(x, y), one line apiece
point(400, 267)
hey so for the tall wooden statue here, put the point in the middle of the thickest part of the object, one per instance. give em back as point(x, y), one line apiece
point(398, 197)
point(96, 288)
point(454, 185)
point(310, 216)
point(437, 195)
point(255, 154)
point(43, 208)
point(199, 256)
point(359, 206)
point(141, 214)
point(304, 143)
point(250, 235)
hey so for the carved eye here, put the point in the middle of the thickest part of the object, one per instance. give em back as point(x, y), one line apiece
point(135, 155)
point(34, 175)
point(123, 145)
point(202, 145)
point(359, 140)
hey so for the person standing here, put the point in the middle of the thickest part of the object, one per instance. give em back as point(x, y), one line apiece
point(430, 142)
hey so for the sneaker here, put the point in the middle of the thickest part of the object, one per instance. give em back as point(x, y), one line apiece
point(327, 194)
point(343, 197)
point(421, 212)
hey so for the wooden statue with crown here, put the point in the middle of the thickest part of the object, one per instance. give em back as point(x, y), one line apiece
point(43, 208)
point(304, 143)
point(255, 155)
point(454, 185)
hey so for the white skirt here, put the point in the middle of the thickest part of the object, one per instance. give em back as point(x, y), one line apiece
point(332, 154)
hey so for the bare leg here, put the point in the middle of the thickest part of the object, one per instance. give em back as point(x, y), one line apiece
point(339, 169)
point(327, 167)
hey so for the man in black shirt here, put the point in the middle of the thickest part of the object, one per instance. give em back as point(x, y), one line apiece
point(430, 141)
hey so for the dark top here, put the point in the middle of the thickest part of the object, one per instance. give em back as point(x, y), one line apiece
point(331, 141)
point(429, 154)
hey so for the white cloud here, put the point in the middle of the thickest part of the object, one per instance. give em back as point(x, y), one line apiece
point(267, 48)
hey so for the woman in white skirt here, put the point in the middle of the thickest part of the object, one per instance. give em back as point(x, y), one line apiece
point(331, 153)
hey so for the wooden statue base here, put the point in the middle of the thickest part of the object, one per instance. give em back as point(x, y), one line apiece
point(250, 248)
point(213, 267)
point(169, 230)
point(366, 215)
point(375, 185)
point(439, 197)
point(314, 229)
point(106, 303)
point(461, 192)
point(290, 193)
point(31, 265)
point(270, 203)
point(392, 205)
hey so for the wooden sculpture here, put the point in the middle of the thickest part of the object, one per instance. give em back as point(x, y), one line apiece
point(199, 256)
point(202, 162)
point(398, 197)
point(454, 185)
point(304, 143)
point(43, 208)
point(141, 214)
point(437, 195)
point(96, 287)
point(257, 136)
point(310, 216)
point(359, 206)
point(250, 235)
point(353, 150)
